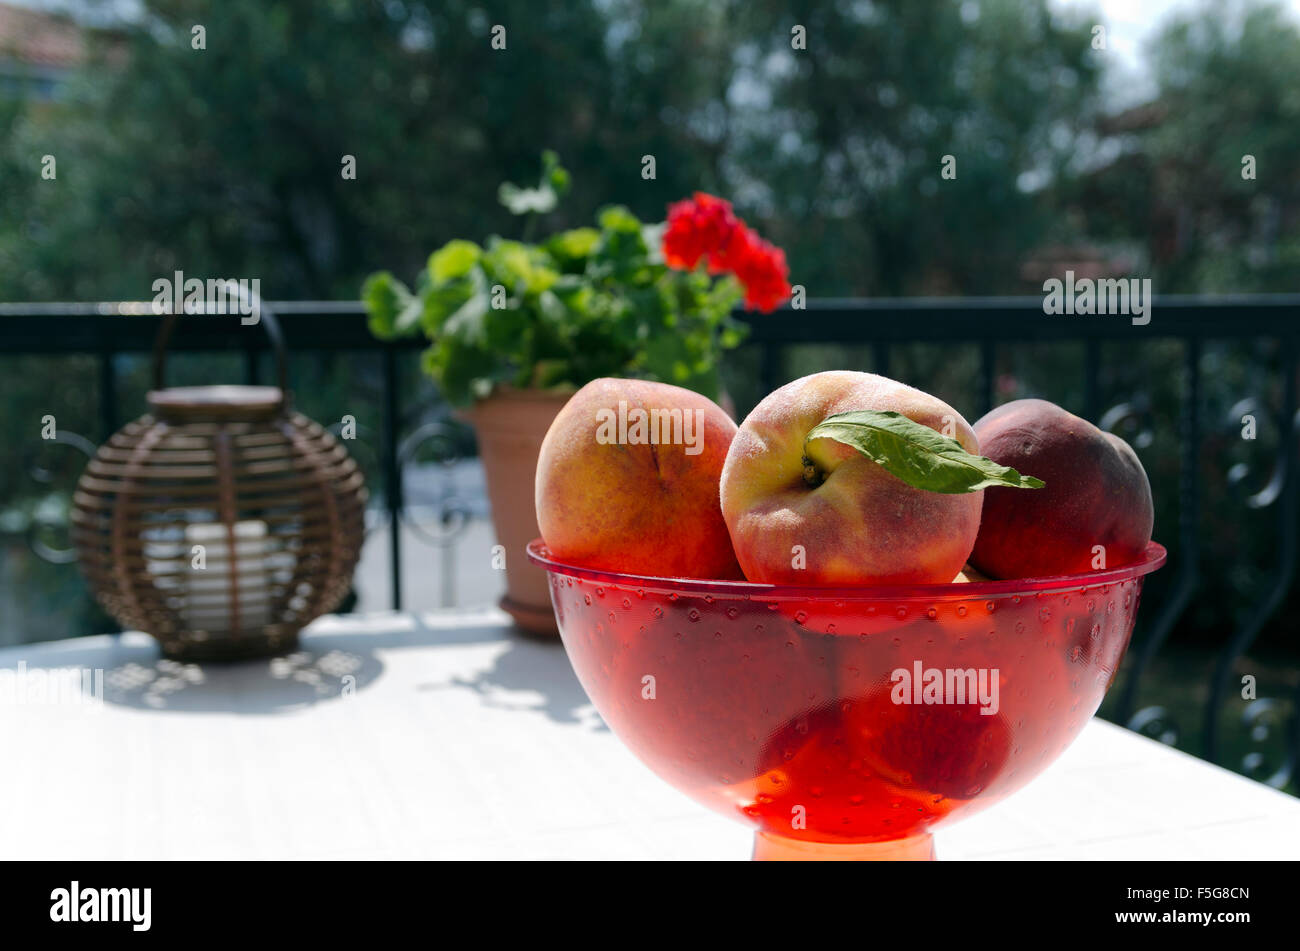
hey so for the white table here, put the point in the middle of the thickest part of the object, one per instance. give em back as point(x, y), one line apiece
point(460, 739)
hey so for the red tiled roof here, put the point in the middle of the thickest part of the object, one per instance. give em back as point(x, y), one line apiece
point(42, 39)
point(1084, 260)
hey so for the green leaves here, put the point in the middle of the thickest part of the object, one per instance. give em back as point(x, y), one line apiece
point(917, 454)
point(520, 268)
point(574, 246)
point(583, 303)
point(394, 310)
point(453, 259)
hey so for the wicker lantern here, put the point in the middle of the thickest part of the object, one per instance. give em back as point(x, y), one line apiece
point(221, 522)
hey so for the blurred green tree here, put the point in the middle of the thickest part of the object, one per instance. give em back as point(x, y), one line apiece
point(1206, 178)
point(230, 160)
point(845, 142)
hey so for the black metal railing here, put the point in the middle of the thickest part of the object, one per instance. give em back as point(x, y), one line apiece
point(990, 325)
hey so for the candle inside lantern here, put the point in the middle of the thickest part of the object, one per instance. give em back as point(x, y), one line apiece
point(209, 578)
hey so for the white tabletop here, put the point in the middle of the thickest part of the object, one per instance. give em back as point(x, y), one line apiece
point(448, 736)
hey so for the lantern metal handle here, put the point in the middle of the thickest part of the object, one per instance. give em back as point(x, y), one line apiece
point(266, 317)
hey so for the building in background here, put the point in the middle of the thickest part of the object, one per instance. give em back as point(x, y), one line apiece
point(38, 52)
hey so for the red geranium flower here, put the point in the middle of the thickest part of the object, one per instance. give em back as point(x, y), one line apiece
point(696, 227)
point(731, 257)
point(765, 276)
point(704, 227)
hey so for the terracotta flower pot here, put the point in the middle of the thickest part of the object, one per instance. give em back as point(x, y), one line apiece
point(511, 425)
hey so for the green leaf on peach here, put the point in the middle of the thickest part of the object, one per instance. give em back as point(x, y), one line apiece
point(917, 454)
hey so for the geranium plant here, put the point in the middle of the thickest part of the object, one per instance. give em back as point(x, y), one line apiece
point(623, 298)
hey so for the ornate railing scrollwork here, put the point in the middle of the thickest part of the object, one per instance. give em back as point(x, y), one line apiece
point(1188, 568)
point(451, 515)
point(1239, 473)
point(41, 522)
point(1155, 723)
point(1261, 719)
point(1132, 420)
point(1287, 497)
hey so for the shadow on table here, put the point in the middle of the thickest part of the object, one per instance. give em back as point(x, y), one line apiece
point(528, 669)
point(135, 675)
point(330, 665)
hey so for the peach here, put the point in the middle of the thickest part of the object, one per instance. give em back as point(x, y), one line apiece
point(1095, 511)
point(853, 522)
point(627, 480)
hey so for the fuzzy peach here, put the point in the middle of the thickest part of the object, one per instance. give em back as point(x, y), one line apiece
point(853, 522)
point(627, 480)
point(1095, 511)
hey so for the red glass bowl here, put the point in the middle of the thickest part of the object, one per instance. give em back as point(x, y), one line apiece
point(796, 709)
